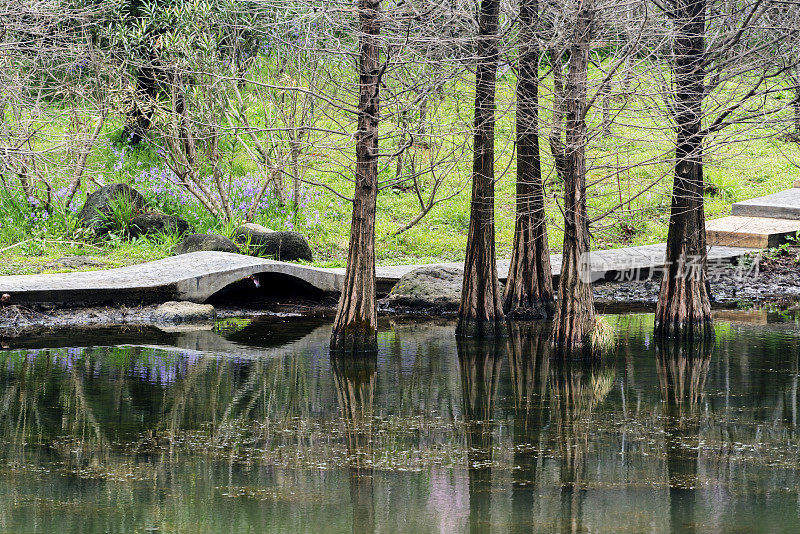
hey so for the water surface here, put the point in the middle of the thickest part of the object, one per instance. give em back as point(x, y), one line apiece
point(253, 427)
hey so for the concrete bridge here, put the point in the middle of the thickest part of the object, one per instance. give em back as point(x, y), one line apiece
point(198, 276)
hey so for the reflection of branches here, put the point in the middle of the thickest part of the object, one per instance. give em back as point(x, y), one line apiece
point(26, 409)
point(431, 383)
point(83, 411)
point(20, 405)
point(182, 395)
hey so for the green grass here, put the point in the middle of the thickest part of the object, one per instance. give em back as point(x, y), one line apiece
point(737, 172)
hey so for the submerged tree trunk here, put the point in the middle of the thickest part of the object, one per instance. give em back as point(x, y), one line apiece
point(481, 310)
point(529, 289)
point(356, 323)
point(575, 313)
point(684, 309)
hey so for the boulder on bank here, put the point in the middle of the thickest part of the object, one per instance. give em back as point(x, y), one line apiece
point(254, 228)
point(181, 312)
point(97, 212)
point(432, 287)
point(201, 242)
point(266, 243)
point(153, 222)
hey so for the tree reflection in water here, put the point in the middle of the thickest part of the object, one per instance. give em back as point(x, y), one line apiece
point(479, 364)
point(576, 388)
point(354, 378)
point(529, 350)
point(126, 438)
point(682, 373)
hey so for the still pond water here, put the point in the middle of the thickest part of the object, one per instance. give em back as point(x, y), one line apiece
point(253, 428)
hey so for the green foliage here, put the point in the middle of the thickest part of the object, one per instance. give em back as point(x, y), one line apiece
point(787, 249)
point(603, 335)
point(719, 185)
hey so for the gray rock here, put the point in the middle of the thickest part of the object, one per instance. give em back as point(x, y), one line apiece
point(153, 222)
point(428, 287)
point(255, 228)
point(282, 246)
point(184, 312)
point(198, 242)
point(96, 213)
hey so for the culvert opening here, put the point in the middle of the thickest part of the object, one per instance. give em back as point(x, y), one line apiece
point(263, 289)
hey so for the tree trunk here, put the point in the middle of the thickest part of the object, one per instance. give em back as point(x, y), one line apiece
point(575, 313)
point(797, 103)
point(356, 323)
point(529, 289)
point(481, 310)
point(684, 309)
point(557, 123)
point(140, 114)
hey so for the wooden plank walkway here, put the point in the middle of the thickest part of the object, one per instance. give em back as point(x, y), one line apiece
point(199, 275)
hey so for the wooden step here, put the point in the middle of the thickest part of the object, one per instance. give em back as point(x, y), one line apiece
point(797, 183)
point(751, 232)
point(780, 205)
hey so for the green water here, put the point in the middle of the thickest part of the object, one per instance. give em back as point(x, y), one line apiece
point(253, 428)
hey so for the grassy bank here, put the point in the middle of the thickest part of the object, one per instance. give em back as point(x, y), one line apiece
point(31, 238)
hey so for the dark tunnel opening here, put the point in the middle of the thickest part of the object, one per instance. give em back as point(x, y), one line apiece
point(264, 289)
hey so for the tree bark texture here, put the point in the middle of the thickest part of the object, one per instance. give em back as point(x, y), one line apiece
point(140, 115)
point(796, 103)
point(557, 122)
point(683, 309)
point(575, 315)
point(355, 326)
point(529, 288)
point(481, 310)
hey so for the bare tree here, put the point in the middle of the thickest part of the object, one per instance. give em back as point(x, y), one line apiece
point(481, 311)
point(529, 287)
point(356, 324)
point(722, 75)
point(47, 56)
point(683, 304)
point(574, 318)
